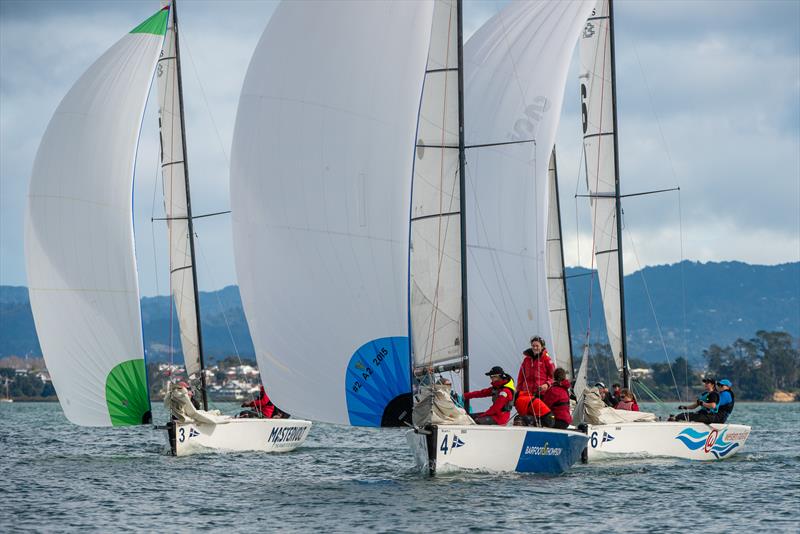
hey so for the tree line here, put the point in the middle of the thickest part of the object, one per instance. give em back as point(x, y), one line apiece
point(758, 367)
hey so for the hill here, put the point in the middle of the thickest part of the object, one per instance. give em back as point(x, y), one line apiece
point(723, 302)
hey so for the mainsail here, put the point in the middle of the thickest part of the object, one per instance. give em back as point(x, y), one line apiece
point(435, 249)
point(515, 69)
point(176, 200)
point(600, 150)
point(79, 237)
point(560, 343)
point(321, 171)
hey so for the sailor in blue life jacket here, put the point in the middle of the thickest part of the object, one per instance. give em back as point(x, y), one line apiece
point(708, 403)
point(726, 400)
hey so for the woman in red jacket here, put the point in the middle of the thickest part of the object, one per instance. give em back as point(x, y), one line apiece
point(535, 375)
point(627, 401)
point(262, 406)
point(557, 398)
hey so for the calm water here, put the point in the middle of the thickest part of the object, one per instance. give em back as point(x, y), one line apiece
point(57, 477)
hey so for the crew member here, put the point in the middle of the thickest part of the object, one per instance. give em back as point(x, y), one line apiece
point(627, 401)
point(726, 400)
point(616, 394)
point(502, 394)
point(708, 403)
point(604, 394)
point(535, 375)
point(557, 399)
point(262, 406)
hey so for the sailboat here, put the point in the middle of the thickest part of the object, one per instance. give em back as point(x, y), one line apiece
point(696, 441)
point(80, 247)
point(349, 198)
point(7, 398)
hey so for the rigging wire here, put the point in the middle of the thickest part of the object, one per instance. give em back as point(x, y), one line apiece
point(209, 270)
point(653, 310)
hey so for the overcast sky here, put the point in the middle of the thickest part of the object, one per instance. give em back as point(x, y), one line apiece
point(708, 100)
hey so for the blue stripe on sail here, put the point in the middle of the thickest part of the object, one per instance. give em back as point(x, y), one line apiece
point(377, 373)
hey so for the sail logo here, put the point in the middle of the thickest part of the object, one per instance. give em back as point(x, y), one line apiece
point(711, 441)
point(607, 437)
point(588, 30)
point(457, 442)
point(289, 433)
point(193, 433)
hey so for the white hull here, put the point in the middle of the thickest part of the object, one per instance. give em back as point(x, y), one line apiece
point(691, 441)
point(264, 435)
point(449, 448)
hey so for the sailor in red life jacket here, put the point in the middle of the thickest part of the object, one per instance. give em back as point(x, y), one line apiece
point(627, 401)
point(262, 406)
point(502, 394)
point(557, 399)
point(535, 375)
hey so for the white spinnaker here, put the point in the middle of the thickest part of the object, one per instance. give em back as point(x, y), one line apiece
point(560, 344)
point(435, 249)
point(173, 170)
point(79, 237)
point(515, 70)
point(321, 171)
point(598, 141)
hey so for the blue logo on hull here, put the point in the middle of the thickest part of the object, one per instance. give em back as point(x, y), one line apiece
point(710, 441)
point(550, 452)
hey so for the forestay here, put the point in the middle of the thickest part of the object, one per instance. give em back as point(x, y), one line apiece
point(560, 344)
point(515, 69)
point(173, 169)
point(79, 237)
point(597, 111)
point(435, 248)
point(321, 171)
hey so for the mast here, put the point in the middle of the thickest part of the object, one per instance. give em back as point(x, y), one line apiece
point(617, 199)
point(463, 201)
point(563, 267)
point(203, 388)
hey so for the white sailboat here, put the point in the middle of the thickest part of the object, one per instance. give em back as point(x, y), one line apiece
point(80, 251)
point(7, 398)
point(491, 222)
point(697, 441)
point(336, 154)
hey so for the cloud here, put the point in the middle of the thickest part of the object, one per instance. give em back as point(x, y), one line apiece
point(720, 81)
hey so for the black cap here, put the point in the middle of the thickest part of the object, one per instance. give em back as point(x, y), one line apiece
point(496, 370)
point(708, 380)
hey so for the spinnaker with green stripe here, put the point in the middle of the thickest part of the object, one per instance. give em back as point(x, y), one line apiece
point(79, 245)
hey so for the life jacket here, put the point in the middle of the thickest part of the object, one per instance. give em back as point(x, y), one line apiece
point(704, 398)
point(511, 389)
point(726, 409)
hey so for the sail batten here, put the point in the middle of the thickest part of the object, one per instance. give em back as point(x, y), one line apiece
point(79, 248)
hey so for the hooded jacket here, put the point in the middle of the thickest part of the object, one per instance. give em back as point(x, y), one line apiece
point(535, 371)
